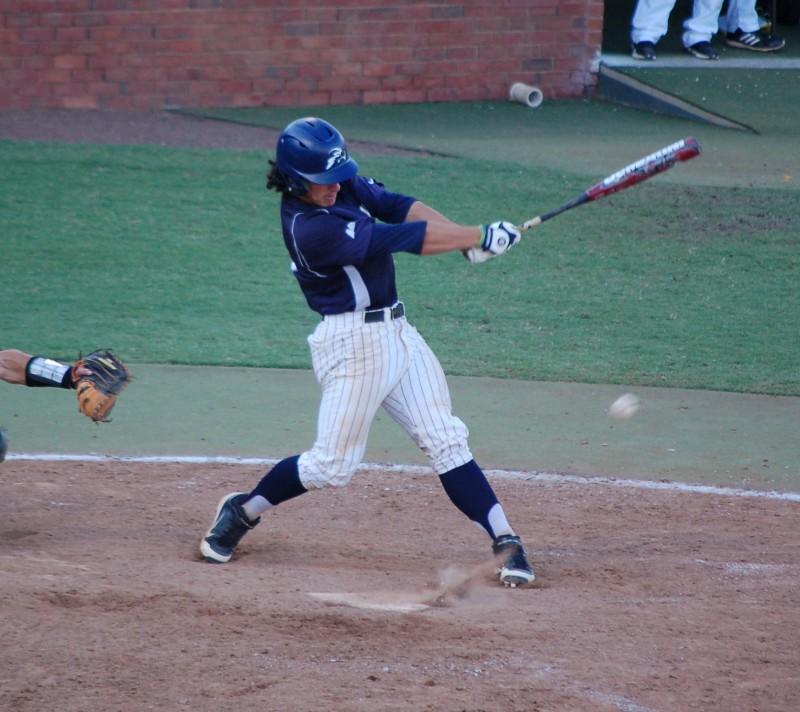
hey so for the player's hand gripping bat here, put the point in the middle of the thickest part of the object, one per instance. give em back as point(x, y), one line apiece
point(636, 172)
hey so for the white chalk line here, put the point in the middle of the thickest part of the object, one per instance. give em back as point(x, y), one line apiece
point(528, 476)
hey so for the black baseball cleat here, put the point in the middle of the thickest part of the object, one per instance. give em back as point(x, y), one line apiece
point(702, 50)
point(514, 569)
point(229, 526)
point(758, 41)
point(644, 50)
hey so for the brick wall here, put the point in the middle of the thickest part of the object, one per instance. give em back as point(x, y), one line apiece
point(145, 54)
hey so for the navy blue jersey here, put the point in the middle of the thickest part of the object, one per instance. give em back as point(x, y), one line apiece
point(341, 256)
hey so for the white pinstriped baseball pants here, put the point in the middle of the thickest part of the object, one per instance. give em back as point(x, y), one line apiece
point(362, 367)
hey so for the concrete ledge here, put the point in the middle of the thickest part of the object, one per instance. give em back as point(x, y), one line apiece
point(687, 62)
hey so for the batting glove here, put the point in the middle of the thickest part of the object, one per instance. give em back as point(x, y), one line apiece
point(496, 239)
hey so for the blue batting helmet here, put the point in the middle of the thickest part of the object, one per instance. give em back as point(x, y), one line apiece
point(311, 149)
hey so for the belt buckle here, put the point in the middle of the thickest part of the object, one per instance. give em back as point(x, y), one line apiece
point(373, 315)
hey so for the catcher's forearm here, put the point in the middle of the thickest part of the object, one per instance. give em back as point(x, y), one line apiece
point(45, 372)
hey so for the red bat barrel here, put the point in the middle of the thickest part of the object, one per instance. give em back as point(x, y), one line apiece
point(645, 168)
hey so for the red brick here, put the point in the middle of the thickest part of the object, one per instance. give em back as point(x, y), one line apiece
point(282, 99)
point(80, 102)
point(338, 96)
point(9, 36)
point(429, 82)
point(378, 97)
point(268, 86)
point(462, 52)
point(157, 4)
point(284, 15)
point(117, 103)
point(29, 20)
point(429, 54)
point(378, 70)
point(69, 61)
point(299, 29)
point(103, 5)
point(55, 19)
point(11, 99)
point(36, 62)
point(234, 86)
point(86, 76)
point(104, 34)
point(176, 33)
point(243, 51)
point(138, 33)
point(35, 90)
point(361, 83)
point(71, 6)
point(71, 34)
point(53, 76)
point(410, 95)
point(90, 19)
point(36, 34)
point(14, 6)
point(103, 89)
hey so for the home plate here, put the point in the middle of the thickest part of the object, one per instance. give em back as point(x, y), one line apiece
point(371, 602)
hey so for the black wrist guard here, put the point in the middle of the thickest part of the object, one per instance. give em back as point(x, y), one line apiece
point(44, 372)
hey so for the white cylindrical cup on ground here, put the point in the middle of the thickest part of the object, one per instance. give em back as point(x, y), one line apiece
point(526, 94)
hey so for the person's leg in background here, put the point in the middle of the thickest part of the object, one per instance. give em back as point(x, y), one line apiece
point(649, 24)
point(743, 29)
point(701, 27)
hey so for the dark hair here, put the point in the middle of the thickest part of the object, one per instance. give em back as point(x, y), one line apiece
point(276, 180)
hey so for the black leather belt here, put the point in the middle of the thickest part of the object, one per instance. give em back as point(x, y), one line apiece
point(373, 315)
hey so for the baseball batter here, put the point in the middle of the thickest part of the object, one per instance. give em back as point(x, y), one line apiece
point(341, 230)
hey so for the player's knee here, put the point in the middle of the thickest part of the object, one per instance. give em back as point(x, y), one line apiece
point(452, 460)
point(337, 478)
point(448, 456)
point(318, 472)
point(326, 478)
point(447, 446)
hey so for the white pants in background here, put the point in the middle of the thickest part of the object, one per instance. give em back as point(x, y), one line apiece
point(741, 15)
point(651, 20)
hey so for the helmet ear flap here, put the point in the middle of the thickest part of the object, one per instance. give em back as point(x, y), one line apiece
point(296, 186)
point(284, 182)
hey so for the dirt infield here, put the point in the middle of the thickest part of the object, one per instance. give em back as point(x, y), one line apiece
point(650, 601)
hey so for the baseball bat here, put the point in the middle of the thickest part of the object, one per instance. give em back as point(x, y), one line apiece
point(632, 174)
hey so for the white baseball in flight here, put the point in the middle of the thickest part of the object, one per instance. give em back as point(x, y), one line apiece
point(626, 406)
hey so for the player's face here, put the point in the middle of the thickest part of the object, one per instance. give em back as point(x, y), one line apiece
point(323, 196)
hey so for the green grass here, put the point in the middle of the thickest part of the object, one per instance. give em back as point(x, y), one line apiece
point(585, 138)
point(175, 256)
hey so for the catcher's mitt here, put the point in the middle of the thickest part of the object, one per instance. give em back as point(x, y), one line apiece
point(98, 391)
